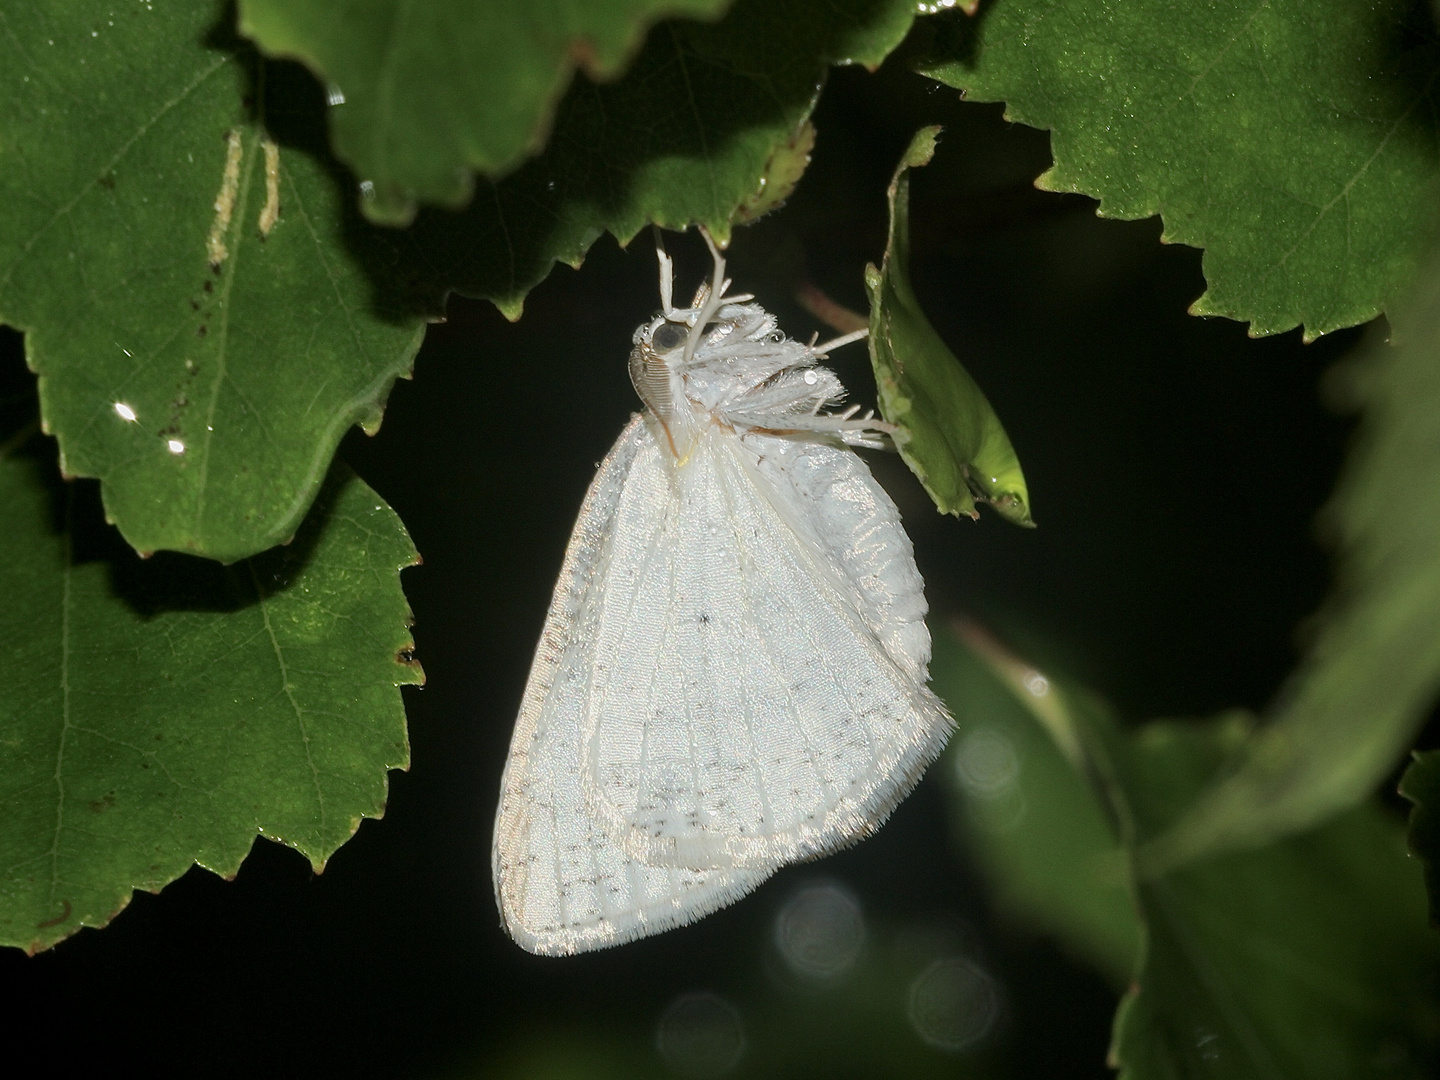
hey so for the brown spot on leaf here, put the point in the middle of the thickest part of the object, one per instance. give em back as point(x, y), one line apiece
point(63, 917)
point(582, 54)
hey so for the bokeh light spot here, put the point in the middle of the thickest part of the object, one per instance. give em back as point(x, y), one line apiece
point(953, 1004)
point(700, 1035)
point(1037, 684)
point(987, 763)
point(820, 931)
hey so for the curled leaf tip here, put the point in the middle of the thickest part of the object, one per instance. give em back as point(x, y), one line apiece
point(919, 152)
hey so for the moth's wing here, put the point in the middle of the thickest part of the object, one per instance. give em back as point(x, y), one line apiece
point(561, 883)
point(747, 709)
point(827, 495)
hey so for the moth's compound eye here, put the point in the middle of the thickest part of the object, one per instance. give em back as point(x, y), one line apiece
point(668, 336)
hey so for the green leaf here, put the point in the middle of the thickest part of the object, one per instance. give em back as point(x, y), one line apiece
point(1296, 141)
point(692, 134)
point(425, 94)
point(168, 261)
point(1027, 813)
point(1373, 671)
point(164, 713)
point(1421, 785)
point(1307, 959)
point(948, 433)
point(787, 164)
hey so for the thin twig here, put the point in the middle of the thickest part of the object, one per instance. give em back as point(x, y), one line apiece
point(836, 316)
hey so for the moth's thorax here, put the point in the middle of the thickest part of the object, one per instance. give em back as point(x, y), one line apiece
point(742, 373)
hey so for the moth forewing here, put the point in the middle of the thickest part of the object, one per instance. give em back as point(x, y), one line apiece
point(561, 885)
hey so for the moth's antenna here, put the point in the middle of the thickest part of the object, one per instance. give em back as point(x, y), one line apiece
point(720, 282)
point(712, 302)
point(844, 339)
point(719, 292)
point(667, 276)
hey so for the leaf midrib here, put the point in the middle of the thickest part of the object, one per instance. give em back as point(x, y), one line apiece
point(67, 553)
point(289, 692)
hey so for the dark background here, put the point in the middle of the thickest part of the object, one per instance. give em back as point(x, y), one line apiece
point(1175, 467)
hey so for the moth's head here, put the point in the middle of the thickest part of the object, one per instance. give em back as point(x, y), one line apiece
point(664, 336)
point(665, 348)
point(655, 364)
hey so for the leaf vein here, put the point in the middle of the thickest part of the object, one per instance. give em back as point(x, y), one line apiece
point(65, 598)
point(1344, 192)
point(222, 338)
point(289, 691)
point(118, 156)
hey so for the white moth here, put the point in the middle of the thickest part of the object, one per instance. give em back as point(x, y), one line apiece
point(732, 673)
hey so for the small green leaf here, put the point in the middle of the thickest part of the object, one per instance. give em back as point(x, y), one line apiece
point(424, 95)
point(202, 329)
point(1374, 670)
point(164, 713)
point(1028, 815)
point(1421, 785)
point(949, 435)
point(1296, 141)
point(703, 116)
